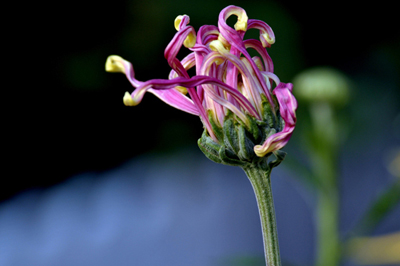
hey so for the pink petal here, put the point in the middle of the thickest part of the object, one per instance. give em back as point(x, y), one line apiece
point(287, 108)
point(177, 100)
point(267, 36)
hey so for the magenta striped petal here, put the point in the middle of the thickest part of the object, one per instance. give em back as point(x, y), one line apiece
point(187, 62)
point(176, 99)
point(256, 45)
point(287, 108)
point(267, 36)
point(176, 43)
point(206, 34)
point(116, 63)
point(165, 84)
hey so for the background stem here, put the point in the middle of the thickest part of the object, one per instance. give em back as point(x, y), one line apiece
point(324, 153)
point(327, 228)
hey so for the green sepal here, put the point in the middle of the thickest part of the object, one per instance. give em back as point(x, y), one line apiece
point(235, 140)
point(280, 122)
point(226, 158)
point(280, 156)
point(267, 114)
point(209, 147)
point(215, 127)
point(246, 151)
point(231, 138)
point(254, 129)
point(262, 162)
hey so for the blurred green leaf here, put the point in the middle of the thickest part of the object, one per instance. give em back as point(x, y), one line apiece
point(383, 204)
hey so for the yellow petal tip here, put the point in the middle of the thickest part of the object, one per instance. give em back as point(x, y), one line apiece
point(241, 25)
point(115, 63)
point(190, 40)
point(218, 46)
point(181, 89)
point(178, 21)
point(128, 101)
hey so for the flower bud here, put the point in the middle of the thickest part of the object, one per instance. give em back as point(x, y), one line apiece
point(322, 84)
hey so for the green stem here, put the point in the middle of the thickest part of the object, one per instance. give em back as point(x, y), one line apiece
point(327, 213)
point(324, 152)
point(261, 182)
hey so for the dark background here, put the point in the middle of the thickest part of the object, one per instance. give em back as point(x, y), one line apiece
point(64, 114)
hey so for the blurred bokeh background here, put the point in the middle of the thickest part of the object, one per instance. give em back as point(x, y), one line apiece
point(78, 163)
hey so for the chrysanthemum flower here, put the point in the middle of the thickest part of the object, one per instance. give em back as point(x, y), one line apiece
point(243, 112)
point(247, 113)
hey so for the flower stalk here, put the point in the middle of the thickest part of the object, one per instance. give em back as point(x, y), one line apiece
point(260, 179)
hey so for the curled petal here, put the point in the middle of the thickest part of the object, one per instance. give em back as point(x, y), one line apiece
point(180, 23)
point(287, 103)
point(256, 45)
point(228, 35)
point(172, 97)
point(116, 63)
point(176, 43)
point(275, 142)
point(128, 101)
point(270, 75)
point(287, 108)
point(206, 34)
point(267, 36)
point(241, 23)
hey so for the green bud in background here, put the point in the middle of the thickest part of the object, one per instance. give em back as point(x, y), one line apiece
point(323, 90)
point(322, 84)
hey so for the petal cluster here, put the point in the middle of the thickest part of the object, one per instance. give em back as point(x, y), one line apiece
point(227, 80)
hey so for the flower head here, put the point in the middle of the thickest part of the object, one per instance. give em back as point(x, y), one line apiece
point(242, 111)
